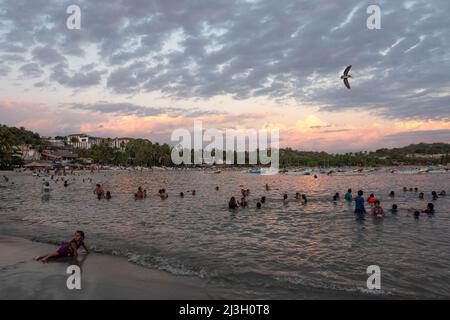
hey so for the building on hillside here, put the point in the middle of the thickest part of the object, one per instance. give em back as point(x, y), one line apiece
point(426, 156)
point(66, 155)
point(57, 143)
point(27, 152)
point(58, 155)
point(48, 155)
point(120, 143)
point(83, 141)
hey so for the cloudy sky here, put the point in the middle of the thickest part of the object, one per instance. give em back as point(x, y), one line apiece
point(143, 68)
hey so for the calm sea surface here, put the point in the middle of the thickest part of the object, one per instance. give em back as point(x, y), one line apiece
point(281, 251)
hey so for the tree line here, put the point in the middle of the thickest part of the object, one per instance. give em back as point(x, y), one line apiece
point(143, 152)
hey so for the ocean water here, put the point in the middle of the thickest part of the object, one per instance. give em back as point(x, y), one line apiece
point(293, 251)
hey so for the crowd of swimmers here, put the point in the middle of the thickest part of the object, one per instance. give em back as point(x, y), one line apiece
point(376, 209)
point(233, 204)
point(101, 194)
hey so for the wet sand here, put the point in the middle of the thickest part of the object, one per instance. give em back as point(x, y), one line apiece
point(103, 277)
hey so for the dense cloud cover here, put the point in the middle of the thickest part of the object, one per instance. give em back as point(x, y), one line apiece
point(202, 49)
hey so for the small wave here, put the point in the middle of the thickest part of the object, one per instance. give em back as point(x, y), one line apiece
point(331, 286)
point(165, 264)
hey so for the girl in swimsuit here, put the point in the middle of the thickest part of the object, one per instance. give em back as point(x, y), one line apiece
point(67, 250)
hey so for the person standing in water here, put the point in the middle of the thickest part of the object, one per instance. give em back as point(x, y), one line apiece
point(139, 194)
point(99, 192)
point(359, 203)
point(377, 210)
point(46, 191)
point(348, 196)
point(232, 204)
point(371, 199)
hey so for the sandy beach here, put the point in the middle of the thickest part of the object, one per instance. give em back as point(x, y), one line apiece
point(103, 277)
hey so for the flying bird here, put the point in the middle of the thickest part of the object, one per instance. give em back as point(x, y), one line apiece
point(346, 76)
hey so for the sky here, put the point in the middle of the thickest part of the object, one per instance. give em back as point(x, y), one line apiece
point(144, 68)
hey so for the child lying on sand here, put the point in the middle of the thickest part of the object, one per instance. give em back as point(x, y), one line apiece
point(70, 249)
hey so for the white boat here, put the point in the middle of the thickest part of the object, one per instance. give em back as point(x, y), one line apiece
point(301, 172)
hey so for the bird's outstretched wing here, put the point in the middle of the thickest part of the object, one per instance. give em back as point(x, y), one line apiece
point(347, 84)
point(347, 70)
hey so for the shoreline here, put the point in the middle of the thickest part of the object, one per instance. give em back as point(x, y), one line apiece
point(102, 277)
point(106, 277)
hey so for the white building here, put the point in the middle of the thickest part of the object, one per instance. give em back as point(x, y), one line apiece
point(83, 141)
point(28, 153)
point(120, 143)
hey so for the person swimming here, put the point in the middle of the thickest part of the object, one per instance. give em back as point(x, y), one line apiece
point(304, 200)
point(67, 250)
point(377, 210)
point(429, 210)
point(392, 194)
point(267, 187)
point(337, 196)
point(232, 204)
point(421, 196)
point(263, 199)
point(66, 184)
point(359, 203)
point(108, 195)
point(405, 189)
point(298, 196)
point(394, 209)
point(181, 194)
point(348, 196)
point(258, 205)
point(434, 195)
point(164, 194)
point(217, 188)
point(193, 192)
point(285, 199)
point(243, 203)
